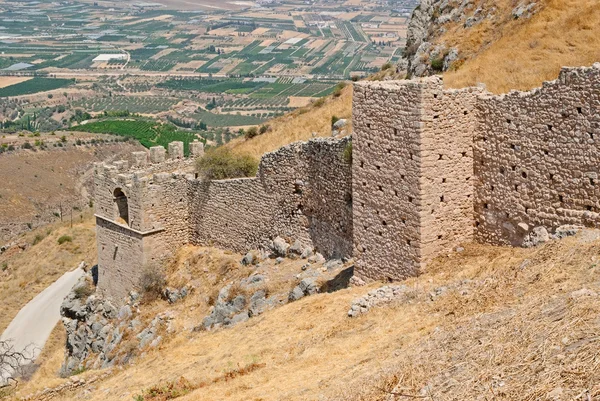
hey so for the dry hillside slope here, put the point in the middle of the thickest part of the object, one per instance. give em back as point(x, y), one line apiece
point(36, 183)
point(506, 44)
point(298, 125)
point(37, 260)
point(485, 323)
point(516, 54)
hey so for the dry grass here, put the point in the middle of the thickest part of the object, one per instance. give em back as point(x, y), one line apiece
point(298, 125)
point(30, 271)
point(510, 54)
point(51, 358)
point(506, 327)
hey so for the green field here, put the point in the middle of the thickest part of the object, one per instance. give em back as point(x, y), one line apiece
point(134, 104)
point(34, 85)
point(148, 133)
point(226, 120)
point(210, 85)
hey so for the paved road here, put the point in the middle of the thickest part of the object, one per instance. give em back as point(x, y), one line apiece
point(32, 326)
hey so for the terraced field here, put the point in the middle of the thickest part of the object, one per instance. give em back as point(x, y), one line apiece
point(34, 85)
point(134, 104)
point(149, 133)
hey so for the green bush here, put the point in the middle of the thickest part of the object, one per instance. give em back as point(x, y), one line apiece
point(348, 153)
point(221, 163)
point(251, 132)
point(153, 283)
point(386, 66)
point(334, 119)
point(38, 238)
point(437, 64)
point(337, 91)
point(83, 291)
point(319, 102)
point(64, 238)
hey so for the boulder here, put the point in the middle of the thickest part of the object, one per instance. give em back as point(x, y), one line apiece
point(296, 249)
point(537, 236)
point(248, 259)
point(279, 246)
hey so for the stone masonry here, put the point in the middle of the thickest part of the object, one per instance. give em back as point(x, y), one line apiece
point(431, 169)
point(302, 192)
point(435, 168)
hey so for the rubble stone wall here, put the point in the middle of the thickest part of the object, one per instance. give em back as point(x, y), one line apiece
point(537, 158)
point(448, 122)
point(301, 192)
point(386, 178)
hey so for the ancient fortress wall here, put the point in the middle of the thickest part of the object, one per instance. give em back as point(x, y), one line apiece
point(301, 192)
point(537, 158)
point(146, 212)
point(431, 169)
point(386, 178)
point(413, 174)
point(140, 216)
point(435, 168)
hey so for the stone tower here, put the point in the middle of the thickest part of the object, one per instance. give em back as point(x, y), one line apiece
point(412, 174)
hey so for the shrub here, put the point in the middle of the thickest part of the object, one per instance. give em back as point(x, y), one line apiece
point(337, 91)
point(37, 239)
point(334, 119)
point(4, 266)
point(153, 283)
point(319, 102)
point(83, 291)
point(167, 391)
point(263, 129)
point(221, 163)
point(437, 64)
point(386, 66)
point(64, 238)
point(348, 153)
point(251, 132)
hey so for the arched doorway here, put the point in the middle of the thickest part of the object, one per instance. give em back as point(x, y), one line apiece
point(121, 206)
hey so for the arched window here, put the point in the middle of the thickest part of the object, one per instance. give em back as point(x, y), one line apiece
point(121, 207)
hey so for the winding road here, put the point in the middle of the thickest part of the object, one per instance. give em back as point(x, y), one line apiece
point(30, 329)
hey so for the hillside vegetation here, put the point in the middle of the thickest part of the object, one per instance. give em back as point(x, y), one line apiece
point(37, 259)
point(485, 323)
point(507, 53)
point(299, 125)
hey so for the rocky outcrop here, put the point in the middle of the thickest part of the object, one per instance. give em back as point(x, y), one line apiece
point(100, 335)
point(424, 55)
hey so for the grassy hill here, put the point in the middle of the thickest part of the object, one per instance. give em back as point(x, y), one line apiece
point(507, 53)
point(485, 323)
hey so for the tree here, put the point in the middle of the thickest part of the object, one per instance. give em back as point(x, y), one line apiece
point(12, 362)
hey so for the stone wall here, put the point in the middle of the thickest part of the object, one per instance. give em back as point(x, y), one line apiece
point(157, 222)
point(301, 192)
point(448, 123)
point(431, 169)
point(537, 158)
point(386, 181)
point(413, 174)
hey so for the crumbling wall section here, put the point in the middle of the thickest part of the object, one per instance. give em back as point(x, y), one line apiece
point(302, 192)
point(157, 218)
point(536, 158)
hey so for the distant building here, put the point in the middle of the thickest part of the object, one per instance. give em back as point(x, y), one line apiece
point(108, 57)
